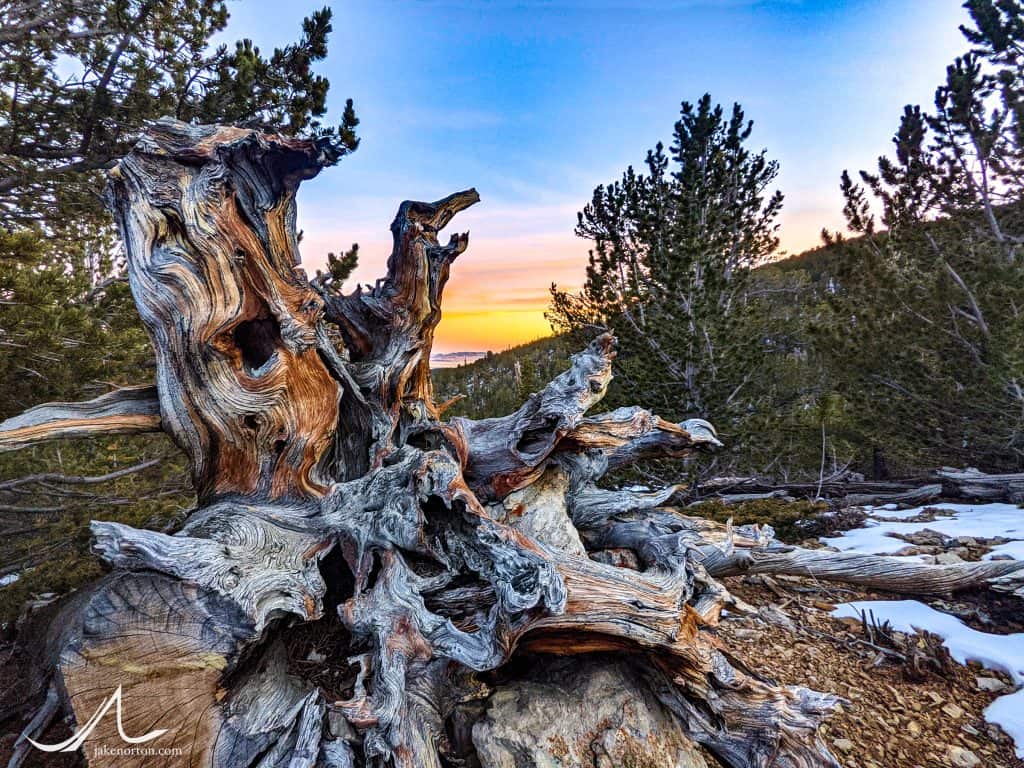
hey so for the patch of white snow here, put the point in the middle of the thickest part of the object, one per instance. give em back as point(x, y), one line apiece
point(980, 521)
point(1013, 549)
point(1002, 652)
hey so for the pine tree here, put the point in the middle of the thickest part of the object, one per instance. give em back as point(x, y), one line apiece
point(79, 79)
point(928, 318)
point(673, 248)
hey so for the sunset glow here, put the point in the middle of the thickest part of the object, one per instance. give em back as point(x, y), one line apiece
point(535, 106)
point(499, 288)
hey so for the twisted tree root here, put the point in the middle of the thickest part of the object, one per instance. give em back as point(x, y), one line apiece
point(329, 487)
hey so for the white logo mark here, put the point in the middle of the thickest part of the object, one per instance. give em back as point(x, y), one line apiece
point(76, 740)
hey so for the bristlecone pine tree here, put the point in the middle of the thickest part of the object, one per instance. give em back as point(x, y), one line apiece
point(430, 553)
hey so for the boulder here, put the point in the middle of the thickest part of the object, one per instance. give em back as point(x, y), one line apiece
point(594, 714)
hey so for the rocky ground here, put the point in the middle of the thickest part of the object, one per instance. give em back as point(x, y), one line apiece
point(909, 705)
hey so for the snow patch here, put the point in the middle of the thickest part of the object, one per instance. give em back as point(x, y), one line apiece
point(1008, 713)
point(981, 521)
point(9, 579)
point(1013, 550)
point(1002, 652)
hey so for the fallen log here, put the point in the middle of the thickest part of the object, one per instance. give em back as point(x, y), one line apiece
point(741, 498)
point(892, 574)
point(847, 492)
point(914, 497)
point(971, 483)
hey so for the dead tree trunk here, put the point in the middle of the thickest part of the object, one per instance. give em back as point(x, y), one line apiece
point(327, 483)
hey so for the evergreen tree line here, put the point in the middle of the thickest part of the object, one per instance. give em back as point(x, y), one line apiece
point(894, 348)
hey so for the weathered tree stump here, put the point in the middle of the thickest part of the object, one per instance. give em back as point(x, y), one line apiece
point(331, 494)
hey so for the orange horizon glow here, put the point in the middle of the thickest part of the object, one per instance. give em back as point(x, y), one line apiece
point(493, 304)
point(478, 331)
point(499, 288)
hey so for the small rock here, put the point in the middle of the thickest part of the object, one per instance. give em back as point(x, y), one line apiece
point(948, 558)
point(961, 758)
point(772, 614)
point(953, 712)
point(914, 728)
point(745, 634)
point(852, 624)
point(844, 745)
point(996, 734)
point(990, 684)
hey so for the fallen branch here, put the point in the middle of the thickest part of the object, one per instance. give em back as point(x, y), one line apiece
point(124, 411)
point(56, 477)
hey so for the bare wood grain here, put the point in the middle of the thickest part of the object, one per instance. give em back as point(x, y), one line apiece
point(129, 410)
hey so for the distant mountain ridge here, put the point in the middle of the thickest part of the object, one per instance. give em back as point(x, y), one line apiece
point(493, 386)
point(451, 359)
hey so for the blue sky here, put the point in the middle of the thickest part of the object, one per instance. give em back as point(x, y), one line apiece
point(535, 103)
